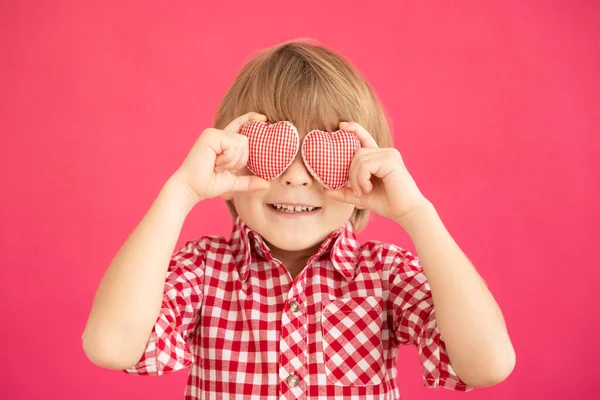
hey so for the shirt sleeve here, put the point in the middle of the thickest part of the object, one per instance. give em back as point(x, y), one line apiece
point(414, 322)
point(168, 349)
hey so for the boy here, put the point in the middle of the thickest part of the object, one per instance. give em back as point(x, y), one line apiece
point(292, 306)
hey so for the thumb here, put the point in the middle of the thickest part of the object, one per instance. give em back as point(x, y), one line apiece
point(344, 194)
point(249, 183)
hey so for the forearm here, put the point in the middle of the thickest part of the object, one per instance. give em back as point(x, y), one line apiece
point(129, 297)
point(469, 319)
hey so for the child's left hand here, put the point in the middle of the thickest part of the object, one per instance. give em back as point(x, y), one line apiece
point(392, 193)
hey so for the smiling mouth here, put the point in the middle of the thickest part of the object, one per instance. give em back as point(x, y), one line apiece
point(289, 209)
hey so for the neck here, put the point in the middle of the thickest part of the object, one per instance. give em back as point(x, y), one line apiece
point(294, 260)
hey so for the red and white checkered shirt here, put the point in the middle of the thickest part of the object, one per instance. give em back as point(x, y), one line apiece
point(233, 314)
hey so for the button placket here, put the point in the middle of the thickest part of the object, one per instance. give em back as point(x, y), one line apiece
point(293, 347)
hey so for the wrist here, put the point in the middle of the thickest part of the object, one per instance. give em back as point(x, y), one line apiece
point(415, 216)
point(176, 189)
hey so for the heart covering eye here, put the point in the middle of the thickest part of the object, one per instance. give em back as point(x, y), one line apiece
point(273, 147)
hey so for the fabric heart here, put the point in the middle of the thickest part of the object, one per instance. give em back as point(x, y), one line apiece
point(328, 156)
point(273, 147)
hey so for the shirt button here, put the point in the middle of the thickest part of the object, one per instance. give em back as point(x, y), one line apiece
point(293, 380)
point(294, 306)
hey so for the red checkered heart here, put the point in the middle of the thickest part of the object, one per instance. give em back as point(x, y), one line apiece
point(328, 156)
point(273, 147)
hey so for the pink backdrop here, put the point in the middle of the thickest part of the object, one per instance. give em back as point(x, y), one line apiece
point(494, 107)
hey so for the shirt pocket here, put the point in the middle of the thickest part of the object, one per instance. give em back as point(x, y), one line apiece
point(352, 345)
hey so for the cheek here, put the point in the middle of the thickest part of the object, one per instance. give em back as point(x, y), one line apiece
point(341, 208)
point(247, 203)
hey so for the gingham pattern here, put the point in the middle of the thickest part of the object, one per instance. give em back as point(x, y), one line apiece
point(226, 314)
point(273, 147)
point(328, 156)
point(352, 341)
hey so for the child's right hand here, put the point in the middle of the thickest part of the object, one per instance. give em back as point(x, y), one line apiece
point(209, 169)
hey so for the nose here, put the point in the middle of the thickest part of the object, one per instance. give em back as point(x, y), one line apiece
point(296, 174)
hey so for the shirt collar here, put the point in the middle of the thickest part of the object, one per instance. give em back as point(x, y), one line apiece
point(341, 245)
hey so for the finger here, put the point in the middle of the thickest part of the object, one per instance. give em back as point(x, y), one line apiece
point(243, 161)
point(364, 173)
point(379, 167)
point(236, 124)
point(228, 158)
point(344, 194)
point(221, 159)
point(362, 156)
point(235, 147)
point(352, 172)
point(370, 162)
point(353, 176)
point(249, 183)
point(224, 157)
point(229, 166)
point(236, 154)
point(366, 140)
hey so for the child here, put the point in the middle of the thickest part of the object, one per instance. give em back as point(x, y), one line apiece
point(292, 306)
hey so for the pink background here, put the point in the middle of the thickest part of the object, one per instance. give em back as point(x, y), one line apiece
point(494, 107)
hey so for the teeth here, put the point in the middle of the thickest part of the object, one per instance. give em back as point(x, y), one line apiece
point(289, 208)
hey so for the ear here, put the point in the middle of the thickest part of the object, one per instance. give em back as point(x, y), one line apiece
point(359, 207)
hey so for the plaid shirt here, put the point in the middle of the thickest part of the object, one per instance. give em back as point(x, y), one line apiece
point(233, 314)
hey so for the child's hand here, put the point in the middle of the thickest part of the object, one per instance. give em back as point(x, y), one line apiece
point(392, 193)
point(209, 168)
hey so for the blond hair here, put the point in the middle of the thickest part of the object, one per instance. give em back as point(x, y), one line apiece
point(311, 86)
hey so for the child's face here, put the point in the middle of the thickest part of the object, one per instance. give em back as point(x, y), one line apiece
point(298, 230)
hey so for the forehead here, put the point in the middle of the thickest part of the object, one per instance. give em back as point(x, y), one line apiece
point(311, 123)
point(303, 133)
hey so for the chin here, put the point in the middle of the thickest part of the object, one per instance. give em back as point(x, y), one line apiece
point(291, 241)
